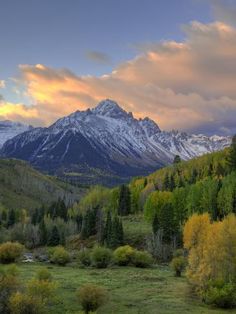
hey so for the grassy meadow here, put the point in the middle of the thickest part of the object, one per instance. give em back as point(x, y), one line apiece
point(131, 290)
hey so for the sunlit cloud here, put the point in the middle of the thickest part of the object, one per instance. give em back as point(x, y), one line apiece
point(189, 85)
point(2, 84)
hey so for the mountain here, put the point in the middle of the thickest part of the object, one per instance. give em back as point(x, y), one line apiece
point(9, 129)
point(106, 144)
point(21, 186)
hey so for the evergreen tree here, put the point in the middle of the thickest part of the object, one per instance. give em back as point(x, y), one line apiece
point(193, 177)
point(232, 155)
point(54, 238)
point(89, 224)
point(177, 159)
point(166, 183)
point(34, 218)
point(43, 233)
point(124, 204)
point(100, 227)
point(4, 216)
point(116, 238)
point(172, 183)
point(79, 222)
point(155, 224)
point(167, 222)
point(62, 210)
point(11, 218)
point(108, 229)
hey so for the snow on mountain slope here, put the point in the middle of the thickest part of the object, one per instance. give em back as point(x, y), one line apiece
point(110, 139)
point(9, 129)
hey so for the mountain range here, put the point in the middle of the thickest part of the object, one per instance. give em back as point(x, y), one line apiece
point(9, 129)
point(106, 144)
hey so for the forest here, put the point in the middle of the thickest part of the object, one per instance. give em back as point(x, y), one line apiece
point(187, 214)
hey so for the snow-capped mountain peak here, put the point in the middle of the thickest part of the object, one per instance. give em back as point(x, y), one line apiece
point(109, 139)
point(109, 108)
point(9, 129)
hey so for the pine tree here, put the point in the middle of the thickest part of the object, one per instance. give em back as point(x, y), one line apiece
point(177, 159)
point(108, 229)
point(166, 183)
point(34, 218)
point(167, 222)
point(11, 218)
point(124, 204)
point(155, 224)
point(232, 155)
point(193, 177)
point(172, 183)
point(54, 238)
point(62, 210)
point(116, 238)
point(89, 224)
point(43, 233)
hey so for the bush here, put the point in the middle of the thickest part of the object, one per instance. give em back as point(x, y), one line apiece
point(91, 297)
point(20, 303)
point(123, 255)
point(101, 257)
point(10, 252)
point(178, 265)
point(141, 259)
point(220, 294)
point(84, 257)
point(60, 256)
point(44, 274)
point(178, 253)
point(42, 289)
point(8, 285)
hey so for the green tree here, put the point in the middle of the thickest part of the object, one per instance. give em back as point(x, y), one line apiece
point(177, 159)
point(232, 155)
point(43, 233)
point(108, 229)
point(124, 205)
point(54, 237)
point(166, 183)
point(11, 218)
point(155, 224)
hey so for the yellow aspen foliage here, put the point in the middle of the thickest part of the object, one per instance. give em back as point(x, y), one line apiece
point(195, 234)
point(212, 250)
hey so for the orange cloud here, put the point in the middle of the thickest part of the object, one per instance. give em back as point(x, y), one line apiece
point(190, 85)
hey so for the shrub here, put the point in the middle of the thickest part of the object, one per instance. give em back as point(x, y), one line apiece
point(123, 255)
point(178, 265)
point(60, 256)
point(178, 253)
point(20, 303)
point(10, 252)
point(84, 257)
point(8, 285)
point(42, 289)
point(221, 294)
point(91, 297)
point(44, 274)
point(141, 259)
point(101, 257)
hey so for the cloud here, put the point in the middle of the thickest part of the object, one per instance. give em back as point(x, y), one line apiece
point(189, 85)
point(224, 10)
point(2, 84)
point(98, 57)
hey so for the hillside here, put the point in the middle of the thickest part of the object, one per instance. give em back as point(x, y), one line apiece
point(21, 186)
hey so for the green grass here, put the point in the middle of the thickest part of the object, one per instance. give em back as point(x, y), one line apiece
point(131, 290)
point(136, 230)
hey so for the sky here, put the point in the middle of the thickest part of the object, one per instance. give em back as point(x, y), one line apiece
point(171, 60)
